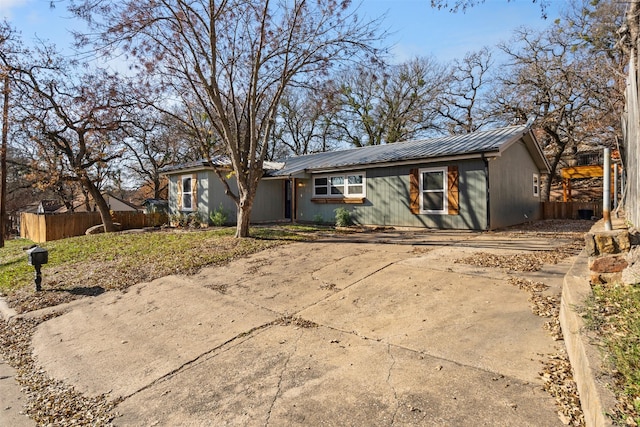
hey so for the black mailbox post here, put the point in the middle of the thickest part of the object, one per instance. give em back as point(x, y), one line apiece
point(38, 256)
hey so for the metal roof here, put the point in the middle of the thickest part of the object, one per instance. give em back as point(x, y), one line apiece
point(218, 162)
point(432, 149)
point(471, 144)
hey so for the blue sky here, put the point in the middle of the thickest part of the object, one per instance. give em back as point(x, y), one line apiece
point(417, 29)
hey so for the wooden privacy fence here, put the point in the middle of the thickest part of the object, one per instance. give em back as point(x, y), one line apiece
point(44, 228)
point(571, 210)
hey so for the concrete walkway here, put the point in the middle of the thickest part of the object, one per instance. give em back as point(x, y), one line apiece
point(375, 329)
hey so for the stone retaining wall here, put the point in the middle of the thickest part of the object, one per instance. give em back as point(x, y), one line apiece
point(609, 256)
point(614, 256)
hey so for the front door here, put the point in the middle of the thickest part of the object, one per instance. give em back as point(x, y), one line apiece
point(287, 199)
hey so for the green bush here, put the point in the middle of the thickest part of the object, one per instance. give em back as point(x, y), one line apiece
point(219, 216)
point(318, 219)
point(343, 217)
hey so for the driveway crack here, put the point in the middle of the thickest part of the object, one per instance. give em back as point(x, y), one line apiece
point(389, 383)
point(201, 356)
point(282, 372)
point(349, 285)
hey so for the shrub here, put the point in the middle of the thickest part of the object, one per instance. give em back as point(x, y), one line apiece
point(343, 217)
point(318, 219)
point(218, 217)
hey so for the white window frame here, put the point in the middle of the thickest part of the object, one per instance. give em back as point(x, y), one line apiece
point(536, 185)
point(331, 190)
point(183, 178)
point(444, 189)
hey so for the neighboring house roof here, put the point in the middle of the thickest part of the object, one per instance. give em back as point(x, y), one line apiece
point(48, 206)
point(156, 205)
point(114, 203)
point(488, 143)
point(148, 202)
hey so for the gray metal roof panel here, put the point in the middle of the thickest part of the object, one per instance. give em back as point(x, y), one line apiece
point(454, 145)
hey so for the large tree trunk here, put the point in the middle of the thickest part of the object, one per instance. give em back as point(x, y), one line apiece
point(101, 204)
point(562, 146)
point(244, 214)
point(3, 160)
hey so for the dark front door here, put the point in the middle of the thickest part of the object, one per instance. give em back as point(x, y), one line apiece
point(287, 199)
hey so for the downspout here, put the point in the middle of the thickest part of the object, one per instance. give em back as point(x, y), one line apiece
point(486, 177)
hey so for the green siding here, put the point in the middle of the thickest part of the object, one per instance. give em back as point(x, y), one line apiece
point(201, 188)
point(269, 202)
point(267, 206)
point(511, 188)
point(387, 200)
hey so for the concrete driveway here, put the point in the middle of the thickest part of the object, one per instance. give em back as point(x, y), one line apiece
point(358, 330)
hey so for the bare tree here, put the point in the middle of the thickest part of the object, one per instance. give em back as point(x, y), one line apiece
point(464, 106)
point(235, 58)
point(560, 86)
point(389, 105)
point(463, 5)
point(7, 48)
point(156, 140)
point(304, 123)
point(75, 122)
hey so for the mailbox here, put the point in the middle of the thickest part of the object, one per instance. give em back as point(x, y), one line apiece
point(38, 256)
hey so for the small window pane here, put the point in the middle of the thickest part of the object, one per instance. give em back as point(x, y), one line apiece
point(354, 179)
point(186, 201)
point(355, 189)
point(186, 185)
point(432, 180)
point(433, 201)
point(320, 181)
point(337, 185)
point(321, 190)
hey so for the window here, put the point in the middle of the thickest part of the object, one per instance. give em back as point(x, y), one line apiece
point(337, 185)
point(187, 193)
point(536, 185)
point(320, 186)
point(433, 190)
point(348, 185)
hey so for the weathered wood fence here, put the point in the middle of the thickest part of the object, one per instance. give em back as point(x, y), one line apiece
point(44, 228)
point(571, 210)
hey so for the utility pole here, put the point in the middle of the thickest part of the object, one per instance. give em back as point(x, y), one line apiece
point(3, 160)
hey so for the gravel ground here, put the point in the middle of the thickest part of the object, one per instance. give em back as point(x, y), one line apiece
point(51, 402)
